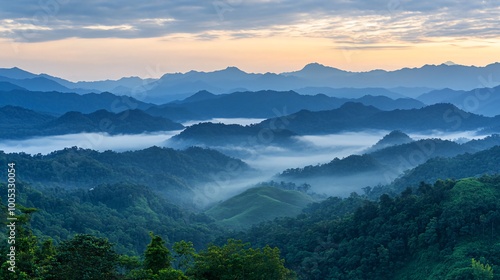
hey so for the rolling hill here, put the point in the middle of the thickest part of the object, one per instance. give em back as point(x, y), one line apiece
point(256, 205)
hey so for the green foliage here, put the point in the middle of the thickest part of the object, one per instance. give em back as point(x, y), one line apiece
point(481, 271)
point(84, 257)
point(237, 260)
point(429, 233)
point(461, 166)
point(174, 173)
point(184, 254)
point(25, 244)
point(123, 213)
point(259, 204)
point(170, 274)
point(157, 256)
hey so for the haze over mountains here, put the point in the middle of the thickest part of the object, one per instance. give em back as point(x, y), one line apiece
point(202, 156)
point(312, 79)
point(305, 114)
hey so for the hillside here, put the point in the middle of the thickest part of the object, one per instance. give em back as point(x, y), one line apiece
point(124, 213)
point(394, 138)
point(102, 121)
point(358, 117)
point(218, 134)
point(173, 173)
point(466, 165)
point(127, 122)
point(19, 118)
point(431, 233)
point(258, 204)
point(342, 176)
point(481, 101)
point(58, 103)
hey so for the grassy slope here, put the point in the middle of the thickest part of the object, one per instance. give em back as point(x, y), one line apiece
point(435, 264)
point(258, 204)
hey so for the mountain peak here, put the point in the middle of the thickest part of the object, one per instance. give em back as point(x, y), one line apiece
point(450, 63)
point(16, 73)
point(356, 106)
point(199, 96)
point(232, 70)
point(314, 65)
point(315, 70)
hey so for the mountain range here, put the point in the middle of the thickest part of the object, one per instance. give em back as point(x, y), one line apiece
point(58, 103)
point(357, 117)
point(265, 104)
point(384, 165)
point(314, 78)
point(483, 101)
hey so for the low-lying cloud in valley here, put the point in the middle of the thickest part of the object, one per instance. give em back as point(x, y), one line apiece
point(94, 141)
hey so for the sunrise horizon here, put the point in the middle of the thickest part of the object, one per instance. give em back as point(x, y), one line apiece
point(110, 40)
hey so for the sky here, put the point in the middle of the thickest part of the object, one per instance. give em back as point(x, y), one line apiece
point(98, 39)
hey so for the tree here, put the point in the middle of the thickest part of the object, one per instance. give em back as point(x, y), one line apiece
point(236, 260)
point(84, 257)
point(184, 254)
point(25, 245)
point(157, 256)
point(481, 271)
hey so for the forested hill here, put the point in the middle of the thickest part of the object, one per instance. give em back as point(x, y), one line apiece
point(215, 134)
point(174, 173)
point(391, 161)
point(30, 124)
point(466, 165)
point(356, 117)
point(433, 232)
point(123, 213)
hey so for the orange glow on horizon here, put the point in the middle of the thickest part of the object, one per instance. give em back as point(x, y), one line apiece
point(97, 59)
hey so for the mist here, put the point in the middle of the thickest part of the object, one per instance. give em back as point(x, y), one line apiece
point(457, 136)
point(266, 161)
point(95, 141)
point(240, 121)
point(270, 160)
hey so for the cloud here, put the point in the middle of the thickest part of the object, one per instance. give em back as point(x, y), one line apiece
point(355, 22)
point(95, 141)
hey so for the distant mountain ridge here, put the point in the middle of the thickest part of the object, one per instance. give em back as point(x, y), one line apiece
point(356, 117)
point(313, 76)
point(58, 103)
point(484, 101)
point(265, 104)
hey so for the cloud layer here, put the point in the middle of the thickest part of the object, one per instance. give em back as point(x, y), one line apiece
point(363, 24)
